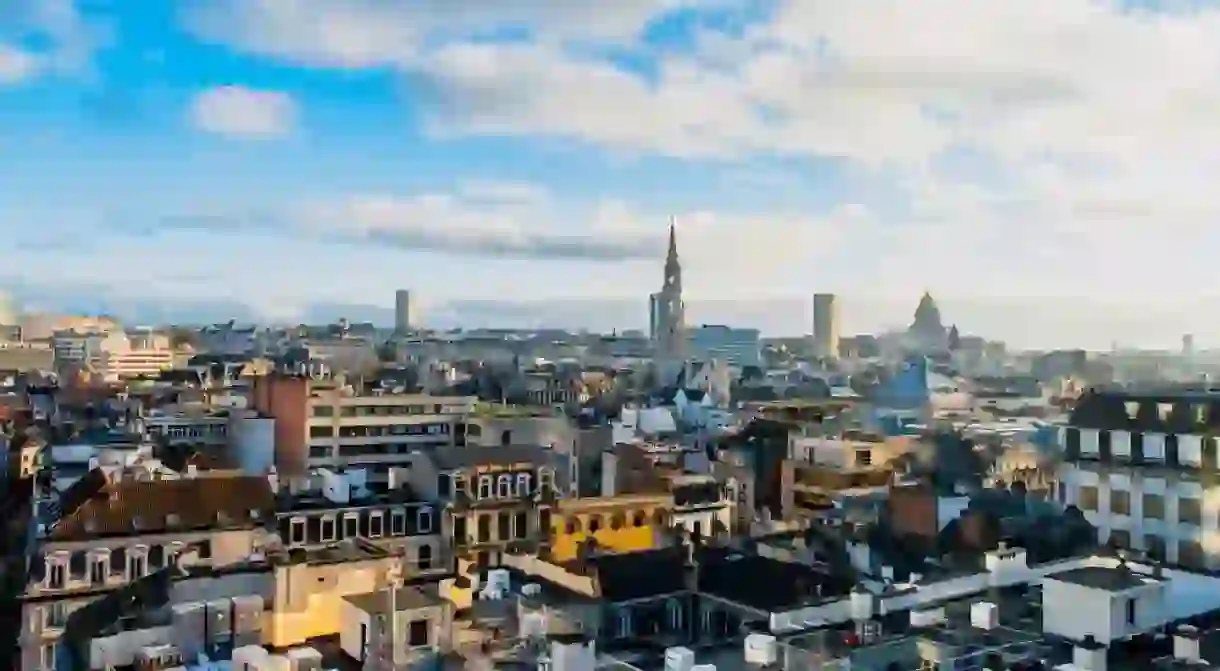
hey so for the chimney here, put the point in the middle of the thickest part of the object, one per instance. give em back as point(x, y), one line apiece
point(1089, 655)
point(1186, 644)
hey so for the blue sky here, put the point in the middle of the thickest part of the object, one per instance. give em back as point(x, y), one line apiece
point(279, 154)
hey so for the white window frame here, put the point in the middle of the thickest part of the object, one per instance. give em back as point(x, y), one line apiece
point(623, 623)
point(293, 525)
point(56, 567)
point(423, 520)
point(398, 522)
point(334, 529)
point(523, 484)
point(504, 486)
point(546, 478)
point(137, 557)
point(485, 487)
point(354, 520)
point(99, 557)
point(378, 517)
point(431, 557)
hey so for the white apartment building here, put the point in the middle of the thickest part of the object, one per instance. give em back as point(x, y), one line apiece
point(1143, 470)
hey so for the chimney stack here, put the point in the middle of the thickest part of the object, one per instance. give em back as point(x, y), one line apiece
point(1089, 655)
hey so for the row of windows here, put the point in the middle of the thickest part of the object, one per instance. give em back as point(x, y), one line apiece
point(424, 521)
point(505, 485)
point(98, 566)
point(619, 520)
point(509, 526)
point(193, 430)
point(1190, 511)
point(378, 410)
point(1190, 552)
point(438, 429)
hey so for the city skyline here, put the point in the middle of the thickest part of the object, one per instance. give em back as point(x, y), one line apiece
point(238, 153)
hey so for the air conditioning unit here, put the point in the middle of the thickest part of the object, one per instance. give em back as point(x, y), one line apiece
point(679, 659)
point(761, 649)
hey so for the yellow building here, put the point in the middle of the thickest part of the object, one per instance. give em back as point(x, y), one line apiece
point(309, 592)
point(617, 523)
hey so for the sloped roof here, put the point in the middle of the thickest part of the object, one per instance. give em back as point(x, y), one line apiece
point(137, 507)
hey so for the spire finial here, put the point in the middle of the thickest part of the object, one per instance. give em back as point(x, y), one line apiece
point(673, 235)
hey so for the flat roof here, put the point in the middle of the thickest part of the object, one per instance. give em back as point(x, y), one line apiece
point(1103, 577)
point(408, 598)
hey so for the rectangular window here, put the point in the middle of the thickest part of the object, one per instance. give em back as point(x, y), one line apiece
point(376, 521)
point(205, 549)
point(1190, 511)
point(398, 522)
point(1154, 507)
point(523, 485)
point(323, 411)
point(1121, 538)
point(57, 614)
point(485, 487)
point(484, 535)
point(504, 488)
point(417, 633)
point(329, 528)
point(504, 527)
point(1088, 498)
point(296, 531)
point(1131, 612)
point(99, 568)
point(1120, 502)
point(1190, 555)
point(864, 458)
point(321, 432)
point(48, 656)
point(57, 574)
point(137, 567)
point(351, 526)
point(423, 520)
point(1155, 547)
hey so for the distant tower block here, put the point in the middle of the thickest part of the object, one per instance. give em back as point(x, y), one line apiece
point(826, 325)
point(404, 311)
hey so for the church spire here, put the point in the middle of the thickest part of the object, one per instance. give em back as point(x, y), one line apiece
point(673, 267)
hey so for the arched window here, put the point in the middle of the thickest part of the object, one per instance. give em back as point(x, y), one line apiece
point(523, 484)
point(572, 525)
point(618, 521)
point(595, 523)
point(485, 487)
point(660, 518)
point(504, 486)
point(423, 559)
point(639, 519)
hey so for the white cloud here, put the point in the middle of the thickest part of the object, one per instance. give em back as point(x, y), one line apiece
point(241, 112)
point(16, 65)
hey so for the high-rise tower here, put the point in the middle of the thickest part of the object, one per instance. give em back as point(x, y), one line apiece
point(670, 345)
point(826, 326)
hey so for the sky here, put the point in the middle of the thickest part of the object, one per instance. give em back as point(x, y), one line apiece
point(1045, 168)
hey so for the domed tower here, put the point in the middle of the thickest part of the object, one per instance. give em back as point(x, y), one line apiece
point(927, 330)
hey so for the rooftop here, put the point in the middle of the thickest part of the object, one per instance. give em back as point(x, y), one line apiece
point(466, 457)
point(1104, 578)
point(406, 598)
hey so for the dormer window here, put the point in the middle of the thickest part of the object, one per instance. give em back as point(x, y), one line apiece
point(328, 529)
point(1164, 410)
point(485, 487)
point(57, 573)
point(504, 487)
point(523, 484)
point(99, 568)
point(137, 564)
point(1132, 408)
point(1200, 413)
point(423, 520)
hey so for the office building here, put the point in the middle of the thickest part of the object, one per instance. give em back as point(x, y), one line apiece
point(404, 313)
point(734, 346)
point(826, 325)
point(320, 424)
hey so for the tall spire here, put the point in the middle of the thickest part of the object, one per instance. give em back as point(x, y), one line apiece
point(673, 267)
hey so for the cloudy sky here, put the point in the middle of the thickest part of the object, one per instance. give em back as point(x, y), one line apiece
point(1057, 157)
